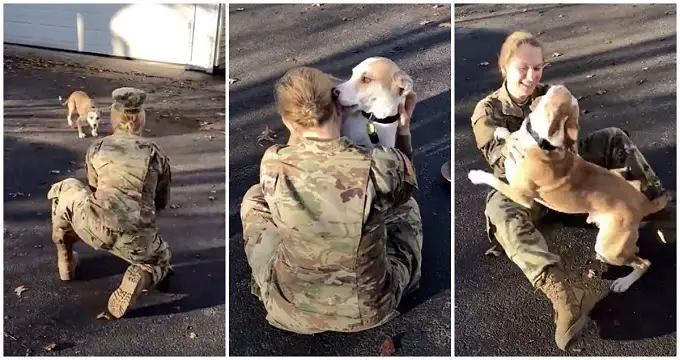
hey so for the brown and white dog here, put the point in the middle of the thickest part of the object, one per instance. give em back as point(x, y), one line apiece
point(554, 175)
point(85, 109)
point(374, 92)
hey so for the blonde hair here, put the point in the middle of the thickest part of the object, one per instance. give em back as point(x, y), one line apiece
point(126, 122)
point(511, 44)
point(304, 97)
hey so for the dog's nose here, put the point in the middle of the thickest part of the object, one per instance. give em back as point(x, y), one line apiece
point(336, 92)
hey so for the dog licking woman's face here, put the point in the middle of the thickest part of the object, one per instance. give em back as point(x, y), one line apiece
point(524, 71)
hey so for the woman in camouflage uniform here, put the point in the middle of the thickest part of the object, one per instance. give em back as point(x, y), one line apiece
point(521, 65)
point(331, 232)
point(129, 180)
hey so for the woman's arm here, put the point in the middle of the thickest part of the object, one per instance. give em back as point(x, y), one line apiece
point(483, 126)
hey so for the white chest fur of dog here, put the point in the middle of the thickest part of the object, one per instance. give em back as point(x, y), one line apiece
point(375, 90)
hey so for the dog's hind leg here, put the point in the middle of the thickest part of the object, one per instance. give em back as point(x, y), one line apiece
point(617, 247)
point(68, 117)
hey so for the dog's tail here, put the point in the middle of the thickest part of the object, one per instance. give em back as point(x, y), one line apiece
point(657, 204)
point(63, 103)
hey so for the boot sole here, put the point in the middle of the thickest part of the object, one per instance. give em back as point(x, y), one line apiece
point(124, 297)
point(573, 332)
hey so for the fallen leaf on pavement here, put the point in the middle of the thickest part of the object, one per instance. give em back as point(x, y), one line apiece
point(192, 335)
point(317, 5)
point(20, 290)
point(484, 63)
point(601, 92)
point(493, 251)
point(425, 22)
point(645, 68)
point(557, 54)
point(289, 59)
point(581, 98)
point(589, 76)
point(103, 315)
point(231, 81)
point(585, 111)
point(211, 198)
point(55, 172)
point(445, 25)
point(437, 6)
point(240, 9)
point(640, 82)
point(591, 273)
point(266, 135)
point(387, 348)
point(49, 347)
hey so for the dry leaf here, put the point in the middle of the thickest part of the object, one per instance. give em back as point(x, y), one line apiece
point(55, 172)
point(20, 290)
point(317, 5)
point(387, 348)
point(289, 59)
point(240, 9)
point(49, 347)
point(445, 25)
point(581, 98)
point(484, 63)
point(437, 6)
point(557, 54)
point(231, 81)
point(589, 76)
point(425, 22)
point(103, 315)
point(347, 19)
point(641, 81)
point(192, 335)
point(601, 92)
point(493, 251)
point(266, 135)
point(211, 198)
point(585, 111)
point(645, 68)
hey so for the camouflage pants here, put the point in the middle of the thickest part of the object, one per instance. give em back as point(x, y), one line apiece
point(74, 218)
point(262, 241)
point(513, 225)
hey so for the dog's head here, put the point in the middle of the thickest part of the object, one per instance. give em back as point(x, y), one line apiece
point(555, 117)
point(94, 116)
point(377, 86)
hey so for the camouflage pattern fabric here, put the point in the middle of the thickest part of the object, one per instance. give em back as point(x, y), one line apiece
point(332, 235)
point(512, 225)
point(132, 179)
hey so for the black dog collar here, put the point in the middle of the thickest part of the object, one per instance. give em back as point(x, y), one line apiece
point(542, 143)
point(387, 120)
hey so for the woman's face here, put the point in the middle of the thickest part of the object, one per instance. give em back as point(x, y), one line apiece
point(524, 71)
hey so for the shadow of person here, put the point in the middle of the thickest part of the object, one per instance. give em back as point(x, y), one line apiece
point(199, 276)
point(648, 308)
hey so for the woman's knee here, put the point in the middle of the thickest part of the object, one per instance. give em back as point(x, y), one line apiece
point(253, 200)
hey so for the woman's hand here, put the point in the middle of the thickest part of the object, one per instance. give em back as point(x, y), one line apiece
point(405, 112)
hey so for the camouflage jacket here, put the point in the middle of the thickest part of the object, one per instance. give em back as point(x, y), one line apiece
point(131, 177)
point(499, 109)
point(329, 199)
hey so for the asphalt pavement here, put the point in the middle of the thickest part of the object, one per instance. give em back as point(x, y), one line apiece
point(265, 40)
point(627, 53)
point(185, 116)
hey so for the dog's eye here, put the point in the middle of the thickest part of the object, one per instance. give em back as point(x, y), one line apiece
point(365, 80)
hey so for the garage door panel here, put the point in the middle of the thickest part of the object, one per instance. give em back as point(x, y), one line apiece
point(153, 32)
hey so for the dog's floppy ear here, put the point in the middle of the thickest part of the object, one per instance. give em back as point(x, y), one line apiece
point(403, 82)
point(534, 103)
point(571, 125)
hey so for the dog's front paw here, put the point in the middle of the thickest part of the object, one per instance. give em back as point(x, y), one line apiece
point(94, 133)
point(81, 135)
point(501, 133)
point(478, 177)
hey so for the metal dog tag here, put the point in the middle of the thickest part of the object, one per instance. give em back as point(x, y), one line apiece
point(372, 135)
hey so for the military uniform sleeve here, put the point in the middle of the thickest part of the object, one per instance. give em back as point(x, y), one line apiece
point(89, 166)
point(393, 175)
point(403, 143)
point(162, 197)
point(483, 127)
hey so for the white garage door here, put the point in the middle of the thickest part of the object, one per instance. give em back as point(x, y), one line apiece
point(155, 32)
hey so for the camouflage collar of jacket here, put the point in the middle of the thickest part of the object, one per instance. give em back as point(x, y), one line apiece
point(324, 144)
point(509, 105)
